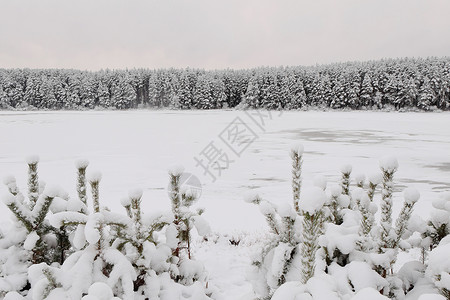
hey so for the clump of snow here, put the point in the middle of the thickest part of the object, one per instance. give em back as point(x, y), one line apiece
point(201, 225)
point(31, 240)
point(8, 199)
point(389, 163)
point(442, 202)
point(439, 203)
point(297, 148)
point(171, 236)
point(439, 263)
point(52, 191)
point(375, 178)
point(191, 269)
point(291, 291)
point(410, 273)
point(339, 237)
point(373, 208)
point(82, 163)
point(101, 291)
point(95, 176)
point(135, 193)
point(32, 159)
point(360, 177)
point(91, 229)
point(286, 211)
point(439, 217)
point(320, 181)
point(335, 190)
point(322, 286)
point(344, 201)
point(252, 197)
point(74, 204)
point(312, 200)
point(125, 201)
point(411, 195)
point(79, 238)
point(176, 170)
point(358, 193)
point(346, 169)
point(266, 208)
point(362, 276)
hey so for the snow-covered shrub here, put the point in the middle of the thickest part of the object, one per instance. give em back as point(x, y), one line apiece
point(332, 236)
point(289, 253)
point(30, 239)
point(75, 252)
point(437, 233)
point(179, 232)
point(360, 238)
point(439, 266)
point(438, 225)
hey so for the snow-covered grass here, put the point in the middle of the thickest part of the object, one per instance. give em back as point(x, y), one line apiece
point(134, 149)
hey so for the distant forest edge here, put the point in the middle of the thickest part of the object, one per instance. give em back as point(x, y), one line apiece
point(418, 84)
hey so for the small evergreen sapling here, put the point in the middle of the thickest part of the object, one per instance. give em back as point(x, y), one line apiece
point(437, 232)
point(388, 167)
point(295, 231)
point(438, 226)
point(296, 155)
point(98, 261)
point(179, 232)
point(138, 243)
point(311, 207)
point(31, 214)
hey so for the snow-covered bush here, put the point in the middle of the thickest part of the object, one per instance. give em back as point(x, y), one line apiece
point(289, 245)
point(30, 239)
point(75, 252)
point(332, 237)
point(439, 240)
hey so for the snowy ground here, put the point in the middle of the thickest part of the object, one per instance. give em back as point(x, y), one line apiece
point(134, 149)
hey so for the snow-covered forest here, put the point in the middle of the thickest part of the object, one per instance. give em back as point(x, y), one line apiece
point(414, 84)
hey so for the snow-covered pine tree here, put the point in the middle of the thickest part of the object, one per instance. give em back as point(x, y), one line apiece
point(251, 99)
point(138, 243)
point(179, 232)
point(98, 261)
point(367, 91)
point(346, 171)
point(31, 214)
point(426, 94)
point(31, 239)
point(290, 252)
point(438, 225)
point(388, 167)
point(311, 207)
point(275, 260)
point(438, 232)
point(296, 156)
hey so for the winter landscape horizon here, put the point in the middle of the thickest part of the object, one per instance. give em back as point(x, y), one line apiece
point(224, 150)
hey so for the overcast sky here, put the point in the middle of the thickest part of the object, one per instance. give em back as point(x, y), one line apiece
point(96, 34)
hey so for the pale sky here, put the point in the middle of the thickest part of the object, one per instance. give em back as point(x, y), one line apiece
point(210, 34)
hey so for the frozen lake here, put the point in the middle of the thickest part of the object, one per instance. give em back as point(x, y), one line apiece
point(135, 148)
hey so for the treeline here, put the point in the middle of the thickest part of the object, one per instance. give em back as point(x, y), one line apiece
point(394, 83)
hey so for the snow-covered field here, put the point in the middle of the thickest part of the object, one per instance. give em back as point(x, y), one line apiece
point(135, 148)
